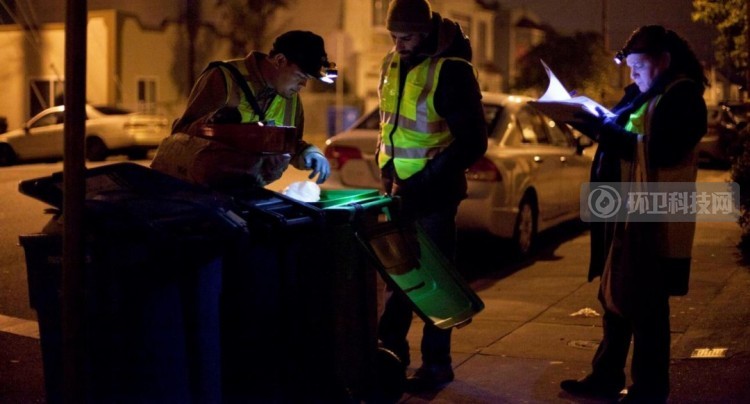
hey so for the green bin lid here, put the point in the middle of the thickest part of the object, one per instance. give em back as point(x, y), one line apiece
point(337, 197)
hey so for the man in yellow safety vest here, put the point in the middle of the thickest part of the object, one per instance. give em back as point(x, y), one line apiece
point(432, 130)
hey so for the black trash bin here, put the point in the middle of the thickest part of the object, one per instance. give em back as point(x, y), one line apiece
point(153, 267)
point(271, 293)
point(359, 367)
point(300, 303)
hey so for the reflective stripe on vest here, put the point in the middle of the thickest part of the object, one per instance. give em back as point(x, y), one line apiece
point(281, 111)
point(420, 133)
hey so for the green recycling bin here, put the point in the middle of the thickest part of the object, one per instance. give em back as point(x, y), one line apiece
point(412, 264)
point(358, 366)
point(407, 259)
point(366, 237)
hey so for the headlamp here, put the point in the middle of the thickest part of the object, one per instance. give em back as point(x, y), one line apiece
point(329, 72)
point(620, 56)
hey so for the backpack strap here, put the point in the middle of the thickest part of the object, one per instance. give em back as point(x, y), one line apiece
point(240, 80)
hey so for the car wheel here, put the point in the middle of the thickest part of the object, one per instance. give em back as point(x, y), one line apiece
point(96, 150)
point(524, 231)
point(7, 155)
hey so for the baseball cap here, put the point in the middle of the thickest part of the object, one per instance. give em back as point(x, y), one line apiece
point(306, 50)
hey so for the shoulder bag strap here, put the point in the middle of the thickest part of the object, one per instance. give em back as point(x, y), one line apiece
point(243, 85)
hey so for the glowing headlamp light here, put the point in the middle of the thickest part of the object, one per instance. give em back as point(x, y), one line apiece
point(620, 56)
point(329, 72)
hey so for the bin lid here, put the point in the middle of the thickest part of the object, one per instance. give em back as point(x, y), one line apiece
point(125, 176)
point(337, 197)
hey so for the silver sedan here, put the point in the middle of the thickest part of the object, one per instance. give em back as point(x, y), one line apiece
point(109, 131)
point(528, 180)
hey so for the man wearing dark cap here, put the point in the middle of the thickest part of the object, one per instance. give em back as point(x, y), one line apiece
point(432, 130)
point(274, 81)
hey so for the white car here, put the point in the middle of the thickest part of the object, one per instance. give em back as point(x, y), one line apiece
point(109, 131)
point(528, 180)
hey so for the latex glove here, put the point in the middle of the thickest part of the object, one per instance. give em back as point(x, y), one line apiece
point(319, 166)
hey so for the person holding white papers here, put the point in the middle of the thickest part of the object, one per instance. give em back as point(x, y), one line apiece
point(661, 118)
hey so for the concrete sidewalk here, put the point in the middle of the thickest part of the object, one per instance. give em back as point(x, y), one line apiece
point(542, 324)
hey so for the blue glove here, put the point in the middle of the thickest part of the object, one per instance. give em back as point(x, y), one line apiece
point(319, 165)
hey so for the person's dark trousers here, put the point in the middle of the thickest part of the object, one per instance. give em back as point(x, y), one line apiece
point(440, 226)
point(651, 350)
point(648, 327)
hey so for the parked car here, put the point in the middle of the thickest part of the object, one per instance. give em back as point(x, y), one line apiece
point(725, 121)
point(528, 180)
point(109, 131)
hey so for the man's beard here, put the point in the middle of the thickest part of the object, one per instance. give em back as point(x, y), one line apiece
point(411, 56)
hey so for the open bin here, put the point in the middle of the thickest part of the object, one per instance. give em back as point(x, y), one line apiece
point(364, 237)
point(407, 259)
point(360, 367)
point(412, 264)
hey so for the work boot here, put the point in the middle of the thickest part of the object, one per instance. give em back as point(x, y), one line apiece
point(429, 377)
point(592, 386)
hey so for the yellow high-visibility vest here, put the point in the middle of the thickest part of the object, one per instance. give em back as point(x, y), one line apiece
point(281, 112)
point(420, 133)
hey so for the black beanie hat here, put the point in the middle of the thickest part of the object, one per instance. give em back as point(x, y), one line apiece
point(409, 16)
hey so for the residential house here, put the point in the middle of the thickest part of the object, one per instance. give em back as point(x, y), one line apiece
point(138, 58)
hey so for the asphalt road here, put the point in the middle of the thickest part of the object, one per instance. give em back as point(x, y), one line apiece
point(21, 214)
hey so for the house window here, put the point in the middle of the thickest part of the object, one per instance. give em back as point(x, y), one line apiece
point(147, 95)
point(379, 11)
point(44, 93)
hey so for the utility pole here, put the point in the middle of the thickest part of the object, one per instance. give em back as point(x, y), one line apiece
point(74, 185)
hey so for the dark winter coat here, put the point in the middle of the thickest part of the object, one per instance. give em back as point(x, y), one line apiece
point(677, 125)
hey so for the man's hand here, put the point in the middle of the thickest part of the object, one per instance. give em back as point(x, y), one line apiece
point(319, 166)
